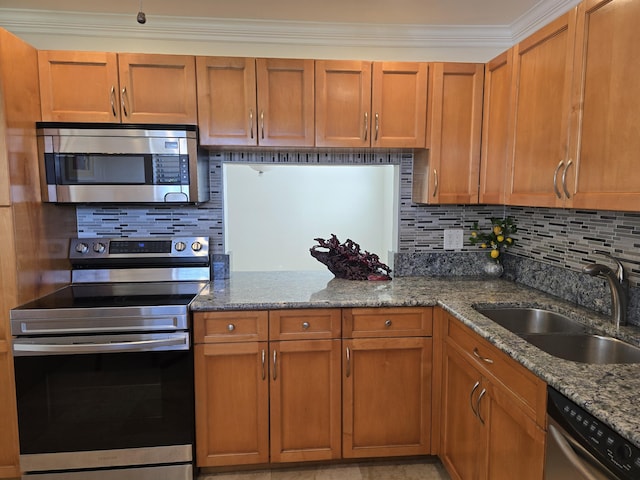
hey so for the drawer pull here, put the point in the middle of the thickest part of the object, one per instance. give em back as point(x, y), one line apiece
point(388, 323)
point(231, 327)
point(305, 325)
point(476, 354)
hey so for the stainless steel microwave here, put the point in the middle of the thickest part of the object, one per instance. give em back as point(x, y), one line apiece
point(118, 163)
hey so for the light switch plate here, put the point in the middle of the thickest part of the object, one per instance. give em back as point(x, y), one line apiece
point(453, 239)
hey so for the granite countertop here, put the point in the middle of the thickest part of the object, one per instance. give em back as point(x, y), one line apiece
point(610, 392)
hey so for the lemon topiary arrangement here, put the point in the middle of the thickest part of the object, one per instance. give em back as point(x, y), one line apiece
point(498, 239)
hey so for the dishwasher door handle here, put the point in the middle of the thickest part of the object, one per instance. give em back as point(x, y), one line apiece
point(581, 461)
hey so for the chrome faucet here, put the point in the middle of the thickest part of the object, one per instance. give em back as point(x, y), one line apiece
point(618, 285)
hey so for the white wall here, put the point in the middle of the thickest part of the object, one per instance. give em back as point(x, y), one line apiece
point(272, 218)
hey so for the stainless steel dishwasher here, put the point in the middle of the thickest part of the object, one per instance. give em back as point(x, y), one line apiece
point(581, 447)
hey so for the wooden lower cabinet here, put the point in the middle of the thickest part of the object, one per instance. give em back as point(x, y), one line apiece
point(261, 401)
point(232, 404)
point(386, 381)
point(492, 419)
point(305, 400)
point(387, 397)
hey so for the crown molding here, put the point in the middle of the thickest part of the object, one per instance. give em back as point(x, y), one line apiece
point(22, 21)
point(120, 26)
point(538, 16)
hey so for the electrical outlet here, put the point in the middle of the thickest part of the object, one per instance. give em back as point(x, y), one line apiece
point(453, 239)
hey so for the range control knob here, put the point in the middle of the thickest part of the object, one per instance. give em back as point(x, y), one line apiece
point(625, 452)
point(82, 248)
point(180, 246)
point(196, 246)
point(99, 247)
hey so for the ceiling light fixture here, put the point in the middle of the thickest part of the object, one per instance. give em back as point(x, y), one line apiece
point(141, 18)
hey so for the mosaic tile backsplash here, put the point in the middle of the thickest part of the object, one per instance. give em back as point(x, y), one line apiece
point(552, 244)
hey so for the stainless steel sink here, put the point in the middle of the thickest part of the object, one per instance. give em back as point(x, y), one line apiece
point(532, 320)
point(561, 336)
point(586, 348)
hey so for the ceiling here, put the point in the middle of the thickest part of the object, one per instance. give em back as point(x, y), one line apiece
point(404, 12)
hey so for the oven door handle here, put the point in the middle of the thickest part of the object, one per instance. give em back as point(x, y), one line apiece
point(178, 342)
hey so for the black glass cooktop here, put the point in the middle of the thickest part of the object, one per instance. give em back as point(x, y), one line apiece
point(117, 295)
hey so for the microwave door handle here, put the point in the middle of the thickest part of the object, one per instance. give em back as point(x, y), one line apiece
point(21, 349)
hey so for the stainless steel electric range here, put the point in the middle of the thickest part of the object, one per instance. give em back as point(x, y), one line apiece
point(104, 366)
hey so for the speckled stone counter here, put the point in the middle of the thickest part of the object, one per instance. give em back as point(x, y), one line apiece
point(610, 392)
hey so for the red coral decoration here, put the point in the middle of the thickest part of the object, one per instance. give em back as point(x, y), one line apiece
point(346, 261)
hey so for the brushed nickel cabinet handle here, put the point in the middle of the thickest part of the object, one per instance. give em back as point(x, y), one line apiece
point(275, 365)
point(348, 362)
point(478, 405)
point(366, 125)
point(476, 354)
point(435, 182)
point(475, 387)
point(112, 99)
point(555, 179)
point(377, 125)
point(564, 179)
point(262, 124)
point(251, 123)
point(123, 102)
point(264, 358)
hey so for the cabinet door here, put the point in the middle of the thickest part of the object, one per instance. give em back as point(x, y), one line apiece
point(227, 112)
point(232, 404)
point(455, 132)
point(495, 128)
point(542, 81)
point(386, 397)
point(399, 104)
point(515, 443)
point(305, 400)
point(79, 86)
point(157, 88)
point(461, 441)
point(9, 454)
point(285, 102)
point(343, 103)
point(605, 141)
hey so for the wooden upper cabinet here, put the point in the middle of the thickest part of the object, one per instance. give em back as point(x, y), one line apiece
point(360, 104)
point(79, 86)
point(157, 88)
point(343, 103)
point(227, 108)
point(109, 87)
point(495, 128)
point(249, 102)
point(451, 167)
point(540, 110)
point(399, 104)
point(285, 90)
point(606, 107)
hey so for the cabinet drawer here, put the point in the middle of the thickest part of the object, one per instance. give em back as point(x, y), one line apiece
point(236, 326)
point(387, 322)
point(304, 324)
point(527, 389)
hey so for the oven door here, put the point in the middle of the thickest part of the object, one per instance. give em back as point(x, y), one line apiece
point(124, 405)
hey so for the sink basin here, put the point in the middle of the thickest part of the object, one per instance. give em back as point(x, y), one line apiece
point(586, 348)
point(532, 320)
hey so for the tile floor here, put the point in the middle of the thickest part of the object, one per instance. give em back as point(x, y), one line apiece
point(430, 469)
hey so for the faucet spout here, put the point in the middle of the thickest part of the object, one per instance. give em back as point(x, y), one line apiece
point(618, 286)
